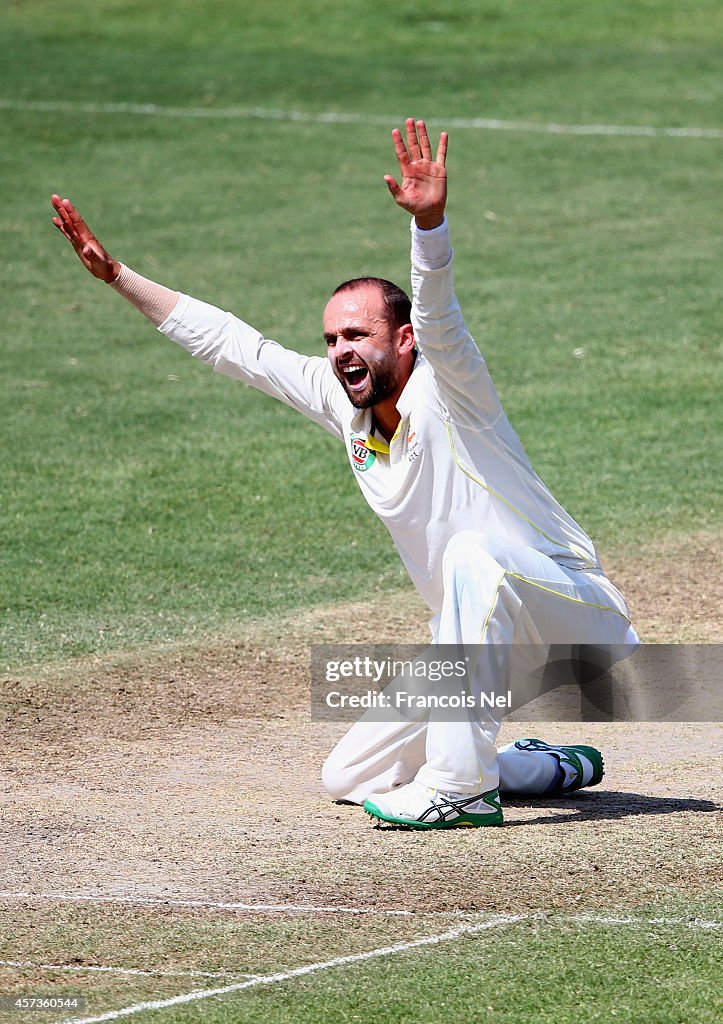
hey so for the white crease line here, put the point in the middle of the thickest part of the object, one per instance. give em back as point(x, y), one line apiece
point(126, 970)
point(695, 922)
point(272, 979)
point(296, 908)
point(454, 933)
point(339, 117)
point(667, 922)
point(288, 908)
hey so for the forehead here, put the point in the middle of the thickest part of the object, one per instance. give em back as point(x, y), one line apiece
point(363, 305)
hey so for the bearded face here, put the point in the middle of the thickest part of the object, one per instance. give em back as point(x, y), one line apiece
point(368, 382)
point(361, 345)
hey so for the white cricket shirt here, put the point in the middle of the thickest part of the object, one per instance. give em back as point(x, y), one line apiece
point(454, 463)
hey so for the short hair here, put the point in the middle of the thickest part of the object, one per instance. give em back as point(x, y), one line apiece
point(397, 304)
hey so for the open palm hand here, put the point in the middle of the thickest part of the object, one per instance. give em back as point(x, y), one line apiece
point(423, 191)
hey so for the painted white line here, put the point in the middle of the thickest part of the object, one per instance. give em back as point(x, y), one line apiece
point(125, 970)
point(340, 117)
point(251, 981)
point(148, 901)
point(665, 922)
point(305, 908)
point(341, 961)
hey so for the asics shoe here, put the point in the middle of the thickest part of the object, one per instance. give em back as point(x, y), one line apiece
point(421, 807)
point(578, 765)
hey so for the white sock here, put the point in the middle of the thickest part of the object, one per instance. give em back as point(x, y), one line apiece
point(526, 771)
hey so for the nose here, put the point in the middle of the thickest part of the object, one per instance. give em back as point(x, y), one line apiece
point(343, 349)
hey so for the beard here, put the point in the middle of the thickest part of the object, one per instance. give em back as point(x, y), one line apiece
point(381, 382)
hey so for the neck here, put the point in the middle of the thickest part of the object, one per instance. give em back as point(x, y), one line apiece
point(386, 418)
point(386, 415)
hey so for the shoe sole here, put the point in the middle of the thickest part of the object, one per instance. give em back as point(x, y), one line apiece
point(462, 821)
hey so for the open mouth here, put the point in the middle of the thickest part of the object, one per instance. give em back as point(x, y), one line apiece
point(355, 377)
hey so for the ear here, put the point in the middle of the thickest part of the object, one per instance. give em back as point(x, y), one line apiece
point(405, 339)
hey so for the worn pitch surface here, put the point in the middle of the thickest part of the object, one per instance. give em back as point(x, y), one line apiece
point(195, 774)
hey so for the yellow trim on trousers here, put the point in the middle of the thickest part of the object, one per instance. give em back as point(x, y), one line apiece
point(549, 590)
point(467, 472)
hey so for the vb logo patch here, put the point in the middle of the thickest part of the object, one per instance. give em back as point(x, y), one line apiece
point(362, 457)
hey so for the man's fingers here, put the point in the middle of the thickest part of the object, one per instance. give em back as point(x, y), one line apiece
point(74, 215)
point(392, 185)
point(60, 225)
point(418, 146)
point(400, 148)
point(61, 205)
point(87, 247)
point(413, 146)
point(424, 140)
point(66, 227)
point(70, 216)
point(79, 226)
point(66, 221)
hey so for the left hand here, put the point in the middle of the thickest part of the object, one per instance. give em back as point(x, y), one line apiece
point(423, 191)
point(90, 252)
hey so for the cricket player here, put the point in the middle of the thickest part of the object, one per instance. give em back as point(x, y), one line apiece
point(502, 566)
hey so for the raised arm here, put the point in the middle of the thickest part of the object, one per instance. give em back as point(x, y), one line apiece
point(217, 337)
point(153, 300)
point(423, 191)
point(439, 327)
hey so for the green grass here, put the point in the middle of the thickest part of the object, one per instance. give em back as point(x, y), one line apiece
point(145, 499)
point(555, 970)
point(551, 974)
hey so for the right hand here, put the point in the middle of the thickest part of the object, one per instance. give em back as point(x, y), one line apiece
point(423, 191)
point(90, 252)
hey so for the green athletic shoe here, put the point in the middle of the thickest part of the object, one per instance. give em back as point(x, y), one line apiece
point(579, 765)
point(421, 807)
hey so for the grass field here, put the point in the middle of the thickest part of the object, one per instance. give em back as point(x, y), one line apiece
point(146, 499)
point(636, 968)
point(172, 541)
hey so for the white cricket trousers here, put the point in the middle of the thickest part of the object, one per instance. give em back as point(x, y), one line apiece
point(494, 595)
